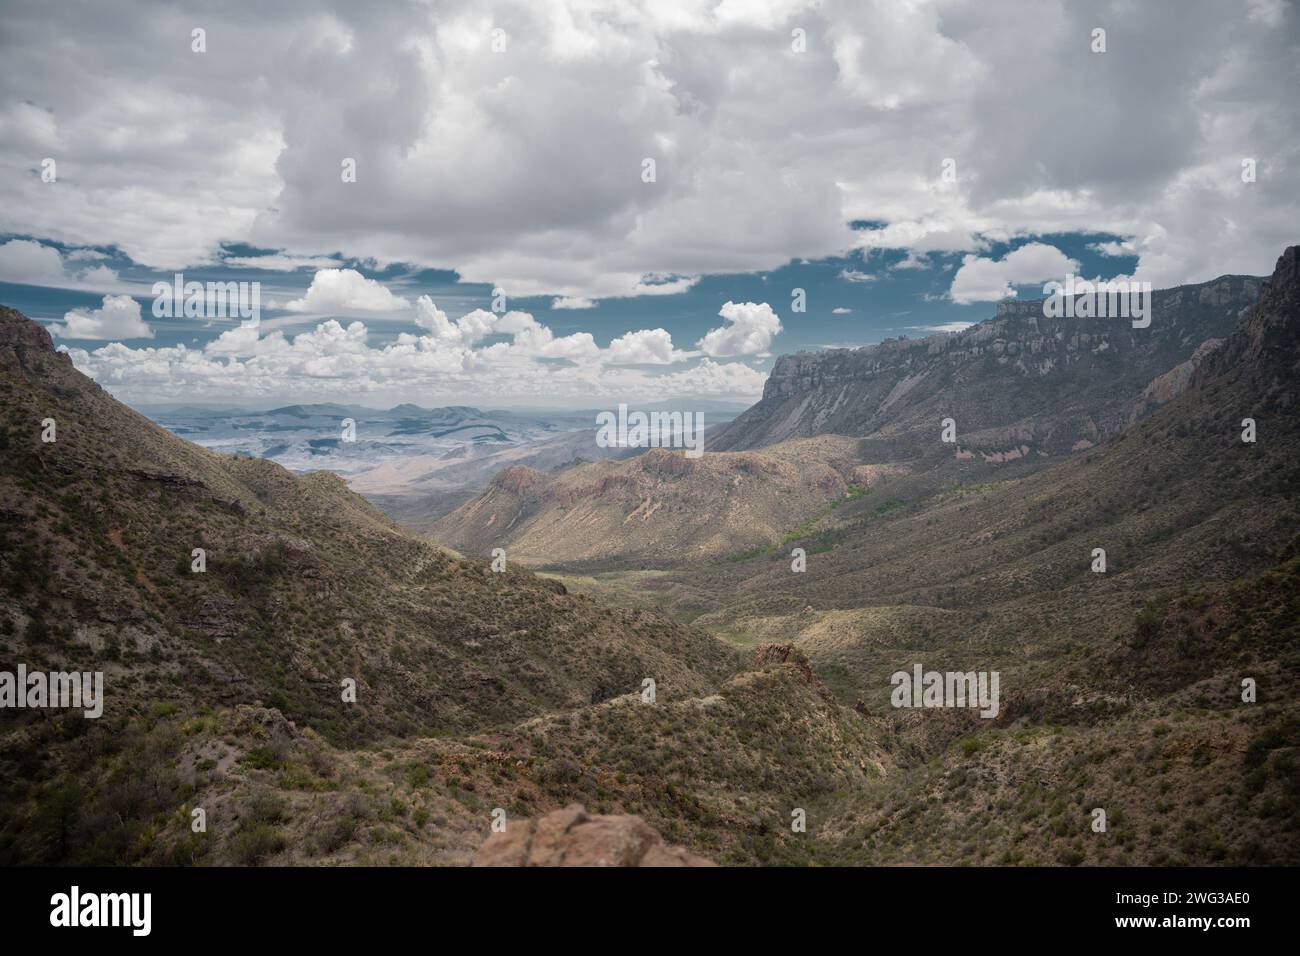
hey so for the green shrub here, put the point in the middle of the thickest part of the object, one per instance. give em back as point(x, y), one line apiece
point(255, 843)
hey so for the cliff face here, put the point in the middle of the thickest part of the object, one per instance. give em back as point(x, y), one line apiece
point(1269, 337)
point(1017, 381)
point(25, 343)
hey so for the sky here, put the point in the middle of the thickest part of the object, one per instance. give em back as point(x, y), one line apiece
point(559, 203)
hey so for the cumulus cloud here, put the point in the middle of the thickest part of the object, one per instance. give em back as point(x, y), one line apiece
point(457, 158)
point(572, 302)
point(531, 339)
point(644, 347)
point(523, 170)
point(988, 280)
point(117, 318)
point(750, 328)
point(528, 338)
point(917, 65)
point(854, 275)
point(434, 321)
point(715, 378)
point(441, 364)
point(346, 290)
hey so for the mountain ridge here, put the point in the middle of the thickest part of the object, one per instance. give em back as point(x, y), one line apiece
point(226, 688)
point(894, 387)
point(481, 692)
point(1022, 390)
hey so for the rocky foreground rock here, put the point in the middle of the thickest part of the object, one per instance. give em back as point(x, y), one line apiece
point(573, 837)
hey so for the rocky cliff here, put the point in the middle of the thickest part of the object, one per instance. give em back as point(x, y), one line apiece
point(1019, 382)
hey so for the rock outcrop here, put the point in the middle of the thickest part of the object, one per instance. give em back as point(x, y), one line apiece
point(572, 837)
point(26, 340)
point(776, 654)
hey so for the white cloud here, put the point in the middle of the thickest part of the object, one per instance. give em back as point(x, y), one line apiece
point(346, 290)
point(715, 378)
point(98, 277)
point(434, 321)
point(117, 318)
point(573, 302)
point(913, 260)
point(644, 347)
point(278, 262)
point(892, 55)
point(853, 275)
point(524, 170)
point(750, 328)
point(31, 263)
point(988, 280)
point(953, 231)
point(1113, 249)
point(26, 262)
point(663, 285)
point(943, 327)
point(333, 361)
point(840, 310)
point(84, 255)
point(529, 338)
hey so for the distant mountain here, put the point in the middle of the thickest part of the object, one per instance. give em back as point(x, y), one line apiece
point(1019, 383)
point(414, 463)
point(312, 411)
point(418, 490)
point(1022, 390)
point(655, 504)
point(311, 437)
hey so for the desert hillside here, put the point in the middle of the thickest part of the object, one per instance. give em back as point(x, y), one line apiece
point(480, 693)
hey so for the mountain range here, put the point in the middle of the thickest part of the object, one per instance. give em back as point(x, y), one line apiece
point(674, 661)
point(1020, 390)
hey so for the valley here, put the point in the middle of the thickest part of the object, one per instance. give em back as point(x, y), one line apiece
point(522, 691)
point(980, 561)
